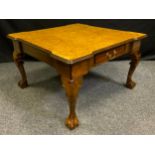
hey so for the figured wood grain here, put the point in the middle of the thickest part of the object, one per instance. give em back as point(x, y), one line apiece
point(73, 71)
point(74, 42)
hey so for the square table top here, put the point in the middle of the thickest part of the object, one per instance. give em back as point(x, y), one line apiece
point(75, 41)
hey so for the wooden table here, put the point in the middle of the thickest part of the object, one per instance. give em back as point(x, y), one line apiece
point(73, 50)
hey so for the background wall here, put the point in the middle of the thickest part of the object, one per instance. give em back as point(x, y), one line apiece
point(10, 26)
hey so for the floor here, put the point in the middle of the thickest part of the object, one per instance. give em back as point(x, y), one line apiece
point(104, 105)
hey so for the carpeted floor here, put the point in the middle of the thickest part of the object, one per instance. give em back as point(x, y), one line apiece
point(104, 105)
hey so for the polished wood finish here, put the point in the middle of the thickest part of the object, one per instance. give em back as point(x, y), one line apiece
point(18, 59)
point(72, 72)
point(135, 58)
point(72, 86)
point(112, 53)
point(76, 42)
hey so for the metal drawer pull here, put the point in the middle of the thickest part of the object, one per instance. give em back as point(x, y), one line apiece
point(115, 52)
point(111, 55)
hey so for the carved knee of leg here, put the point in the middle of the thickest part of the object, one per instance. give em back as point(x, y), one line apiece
point(18, 58)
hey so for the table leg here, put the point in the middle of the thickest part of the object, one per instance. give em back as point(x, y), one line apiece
point(18, 59)
point(135, 58)
point(72, 87)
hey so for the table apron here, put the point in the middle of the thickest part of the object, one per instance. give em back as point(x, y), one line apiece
point(82, 67)
point(112, 53)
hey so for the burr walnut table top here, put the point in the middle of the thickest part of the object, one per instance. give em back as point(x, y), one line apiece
point(74, 42)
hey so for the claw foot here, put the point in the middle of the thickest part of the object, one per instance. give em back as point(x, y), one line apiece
point(130, 84)
point(72, 122)
point(22, 84)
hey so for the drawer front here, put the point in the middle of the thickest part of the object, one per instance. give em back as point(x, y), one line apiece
point(111, 54)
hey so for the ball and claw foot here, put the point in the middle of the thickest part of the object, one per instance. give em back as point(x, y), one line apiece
point(72, 122)
point(130, 84)
point(22, 84)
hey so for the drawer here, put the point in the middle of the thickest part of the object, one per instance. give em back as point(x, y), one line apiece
point(111, 54)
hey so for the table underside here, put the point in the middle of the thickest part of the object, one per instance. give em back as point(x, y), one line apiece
point(72, 74)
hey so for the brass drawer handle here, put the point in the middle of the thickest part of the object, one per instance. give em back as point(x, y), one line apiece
point(108, 55)
point(115, 52)
point(112, 54)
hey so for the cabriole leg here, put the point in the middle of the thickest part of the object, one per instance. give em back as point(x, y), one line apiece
point(18, 59)
point(72, 87)
point(135, 58)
